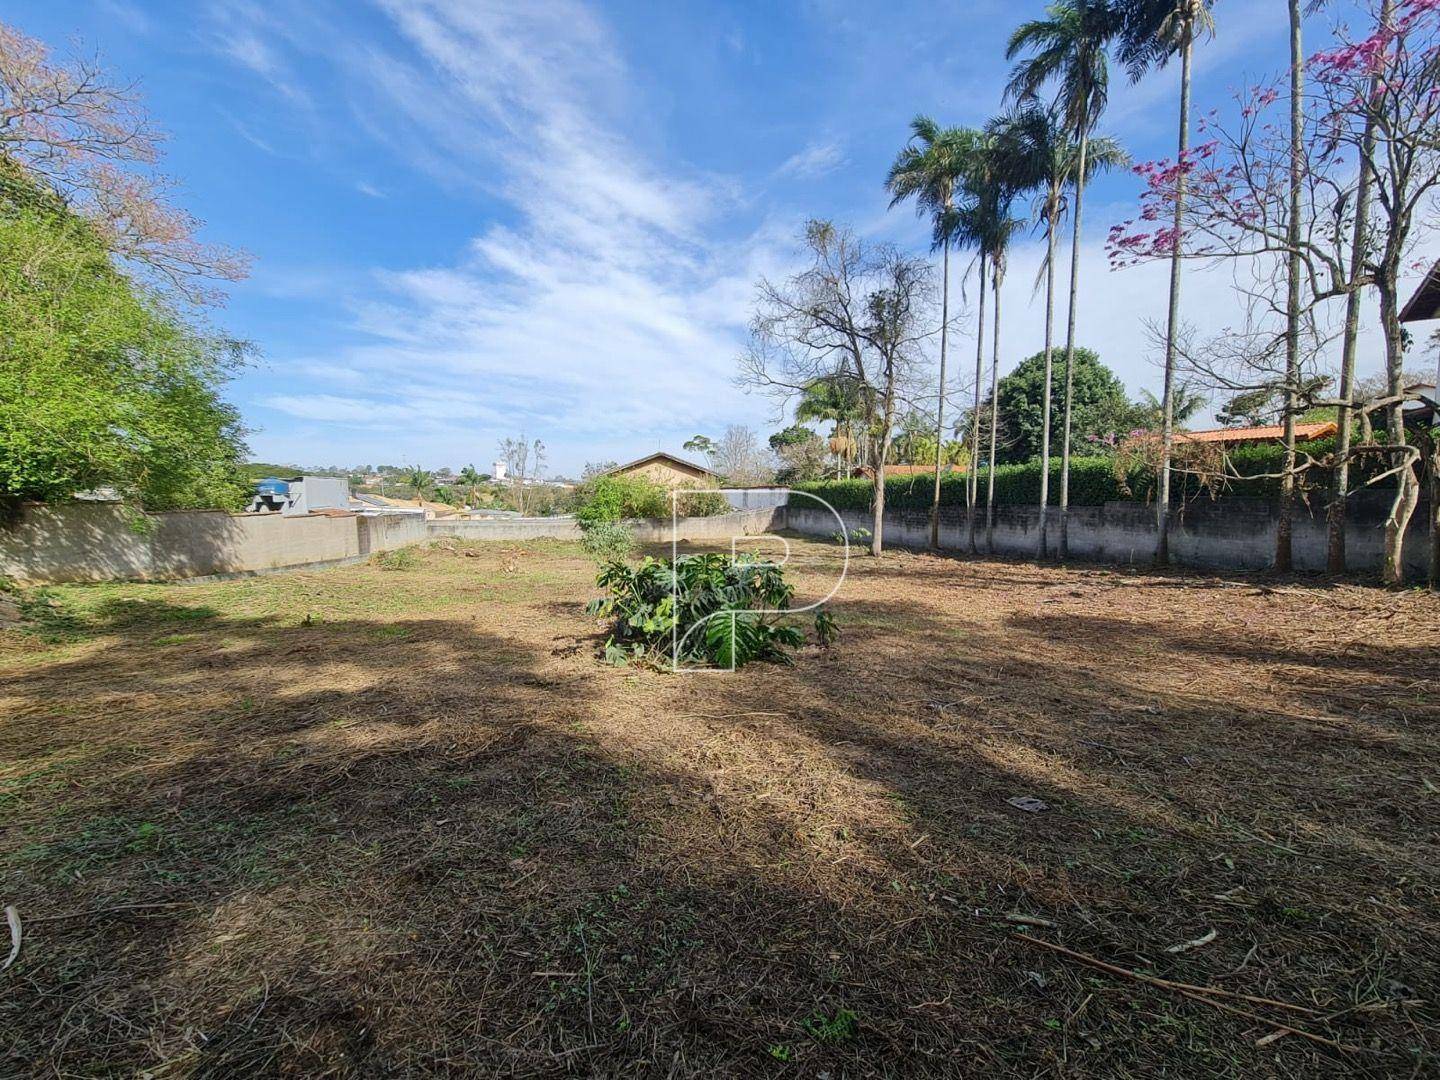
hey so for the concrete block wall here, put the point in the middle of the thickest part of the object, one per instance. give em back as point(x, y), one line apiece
point(103, 542)
point(1225, 534)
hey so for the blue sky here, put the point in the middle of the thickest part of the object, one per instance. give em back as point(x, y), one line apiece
point(473, 219)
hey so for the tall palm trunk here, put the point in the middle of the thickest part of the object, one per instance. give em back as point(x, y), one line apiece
point(1172, 324)
point(1084, 134)
point(973, 486)
point(1285, 525)
point(1042, 540)
point(940, 401)
point(998, 276)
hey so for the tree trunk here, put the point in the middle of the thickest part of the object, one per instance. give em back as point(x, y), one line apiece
point(1042, 541)
point(972, 487)
point(1407, 489)
point(1172, 325)
point(1084, 138)
point(878, 531)
point(1335, 518)
point(1285, 526)
point(940, 401)
point(997, 276)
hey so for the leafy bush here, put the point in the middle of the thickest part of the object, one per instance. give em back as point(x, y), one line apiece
point(701, 504)
point(622, 498)
point(657, 605)
point(617, 498)
point(606, 541)
point(399, 559)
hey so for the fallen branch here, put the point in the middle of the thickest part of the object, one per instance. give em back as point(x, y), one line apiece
point(1201, 994)
point(12, 917)
point(1167, 984)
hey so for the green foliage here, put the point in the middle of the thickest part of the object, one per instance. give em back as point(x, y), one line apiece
point(1093, 482)
point(101, 382)
point(793, 435)
point(624, 498)
point(399, 559)
point(831, 1029)
point(606, 541)
point(619, 498)
point(720, 610)
point(1100, 405)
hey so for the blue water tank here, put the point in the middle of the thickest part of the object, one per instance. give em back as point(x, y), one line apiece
point(272, 486)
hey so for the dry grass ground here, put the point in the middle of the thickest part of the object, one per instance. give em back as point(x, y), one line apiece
point(400, 822)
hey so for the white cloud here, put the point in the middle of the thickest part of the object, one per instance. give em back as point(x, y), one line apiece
point(816, 159)
point(604, 308)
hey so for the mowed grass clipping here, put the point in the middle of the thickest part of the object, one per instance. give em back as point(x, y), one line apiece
point(399, 820)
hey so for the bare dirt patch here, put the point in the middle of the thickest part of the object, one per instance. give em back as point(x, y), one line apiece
point(391, 822)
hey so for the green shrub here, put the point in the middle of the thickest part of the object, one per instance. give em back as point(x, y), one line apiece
point(617, 498)
point(399, 559)
point(658, 605)
point(1093, 482)
point(606, 541)
point(622, 498)
point(702, 504)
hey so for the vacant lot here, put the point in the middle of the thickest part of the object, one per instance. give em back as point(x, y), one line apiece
point(390, 822)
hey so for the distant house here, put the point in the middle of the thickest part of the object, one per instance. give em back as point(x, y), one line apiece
point(668, 471)
point(1425, 304)
point(301, 495)
point(375, 505)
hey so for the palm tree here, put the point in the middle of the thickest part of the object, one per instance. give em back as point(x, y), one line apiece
point(1151, 32)
point(1067, 48)
point(420, 480)
point(1054, 157)
point(836, 400)
point(929, 169)
point(471, 479)
point(1013, 168)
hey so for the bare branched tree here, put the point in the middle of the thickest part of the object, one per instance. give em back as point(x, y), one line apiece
point(861, 315)
point(740, 457)
point(524, 461)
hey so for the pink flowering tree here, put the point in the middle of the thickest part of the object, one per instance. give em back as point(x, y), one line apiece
point(89, 140)
point(1372, 115)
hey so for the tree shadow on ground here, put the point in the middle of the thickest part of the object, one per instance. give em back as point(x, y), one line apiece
point(435, 847)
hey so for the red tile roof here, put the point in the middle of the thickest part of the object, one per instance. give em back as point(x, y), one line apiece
point(913, 470)
point(1258, 434)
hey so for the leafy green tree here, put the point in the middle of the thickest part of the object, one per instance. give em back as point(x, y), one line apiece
point(700, 444)
point(102, 382)
point(793, 435)
point(1100, 407)
point(471, 481)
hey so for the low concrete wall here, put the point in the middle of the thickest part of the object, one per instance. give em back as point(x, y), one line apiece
point(719, 527)
point(102, 542)
point(1226, 534)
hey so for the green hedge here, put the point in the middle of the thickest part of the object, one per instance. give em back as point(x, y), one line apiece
point(1092, 482)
